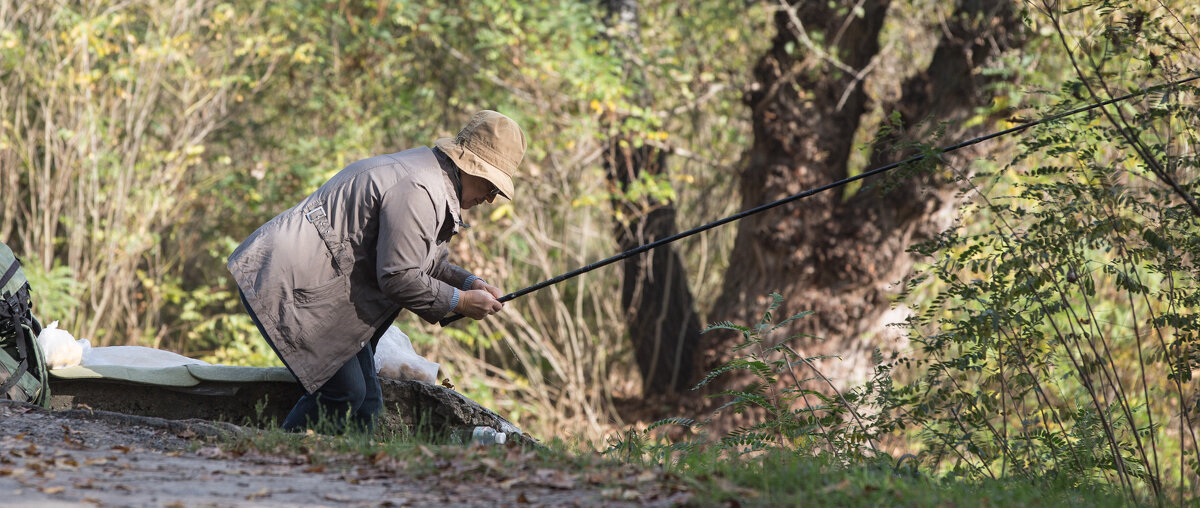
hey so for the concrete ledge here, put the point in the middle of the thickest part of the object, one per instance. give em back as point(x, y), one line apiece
point(254, 396)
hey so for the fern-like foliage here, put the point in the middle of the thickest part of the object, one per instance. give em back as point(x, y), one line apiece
point(776, 385)
point(1057, 335)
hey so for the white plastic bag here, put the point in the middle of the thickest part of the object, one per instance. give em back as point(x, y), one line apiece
point(395, 358)
point(59, 348)
point(135, 356)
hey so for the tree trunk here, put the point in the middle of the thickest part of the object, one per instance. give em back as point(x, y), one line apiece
point(663, 326)
point(835, 256)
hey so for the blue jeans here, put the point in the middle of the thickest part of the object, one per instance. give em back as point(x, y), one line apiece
point(350, 399)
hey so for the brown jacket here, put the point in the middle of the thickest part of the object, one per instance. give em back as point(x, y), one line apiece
point(323, 276)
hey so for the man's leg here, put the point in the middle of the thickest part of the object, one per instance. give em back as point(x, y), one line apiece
point(372, 404)
point(342, 395)
point(368, 414)
point(328, 408)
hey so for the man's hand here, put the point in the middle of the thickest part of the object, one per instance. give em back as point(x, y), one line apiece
point(480, 284)
point(478, 303)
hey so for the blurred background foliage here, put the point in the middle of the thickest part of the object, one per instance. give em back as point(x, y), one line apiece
point(140, 142)
point(143, 141)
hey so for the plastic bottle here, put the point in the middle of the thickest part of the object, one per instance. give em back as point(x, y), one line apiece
point(487, 436)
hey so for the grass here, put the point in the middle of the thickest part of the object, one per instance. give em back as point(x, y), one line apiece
point(775, 477)
point(784, 478)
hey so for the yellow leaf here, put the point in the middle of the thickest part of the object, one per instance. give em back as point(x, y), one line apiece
point(500, 212)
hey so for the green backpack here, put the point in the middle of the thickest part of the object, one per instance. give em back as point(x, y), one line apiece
point(22, 369)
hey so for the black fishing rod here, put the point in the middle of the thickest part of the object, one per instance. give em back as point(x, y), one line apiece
point(807, 193)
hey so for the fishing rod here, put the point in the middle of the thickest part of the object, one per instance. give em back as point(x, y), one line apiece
point(783, 201)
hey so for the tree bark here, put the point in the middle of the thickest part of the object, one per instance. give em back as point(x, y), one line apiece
point(662, 324)
point(836, 256)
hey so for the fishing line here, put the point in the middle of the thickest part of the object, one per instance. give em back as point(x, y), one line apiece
point(762, 208)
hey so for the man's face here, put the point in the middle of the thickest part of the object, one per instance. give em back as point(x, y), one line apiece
point(476, 190)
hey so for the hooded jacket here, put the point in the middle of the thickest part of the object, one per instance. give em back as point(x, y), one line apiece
point(323, 276)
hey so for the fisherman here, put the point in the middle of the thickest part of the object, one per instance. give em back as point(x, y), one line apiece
point(325, 279)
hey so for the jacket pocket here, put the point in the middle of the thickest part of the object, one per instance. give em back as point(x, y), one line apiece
point(336, 289)
point(321, 317)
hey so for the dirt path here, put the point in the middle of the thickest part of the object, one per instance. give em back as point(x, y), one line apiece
point(69, 458)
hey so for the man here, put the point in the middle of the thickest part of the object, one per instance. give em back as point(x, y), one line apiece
point(324, 280)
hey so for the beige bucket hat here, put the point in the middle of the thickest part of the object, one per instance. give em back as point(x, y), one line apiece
point(490, 147)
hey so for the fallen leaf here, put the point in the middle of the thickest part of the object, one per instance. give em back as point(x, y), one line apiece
point(319, 468)
point(53, 490)
point(425, 451)
point(511, 482)
point(446, 382)
point(836, 486)
point(121, 448)
point(95, 462)
point(262, 493)
point(74, 441)
point(561, 481)
point(84, 406)
point(187, 433)
point(211, 452)
point(491, 463)
point(522, 499)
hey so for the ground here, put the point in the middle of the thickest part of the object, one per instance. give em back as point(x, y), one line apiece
point(80, 456)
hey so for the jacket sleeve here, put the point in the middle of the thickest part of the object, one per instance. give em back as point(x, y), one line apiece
point(450, 273)
point(407, 232)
